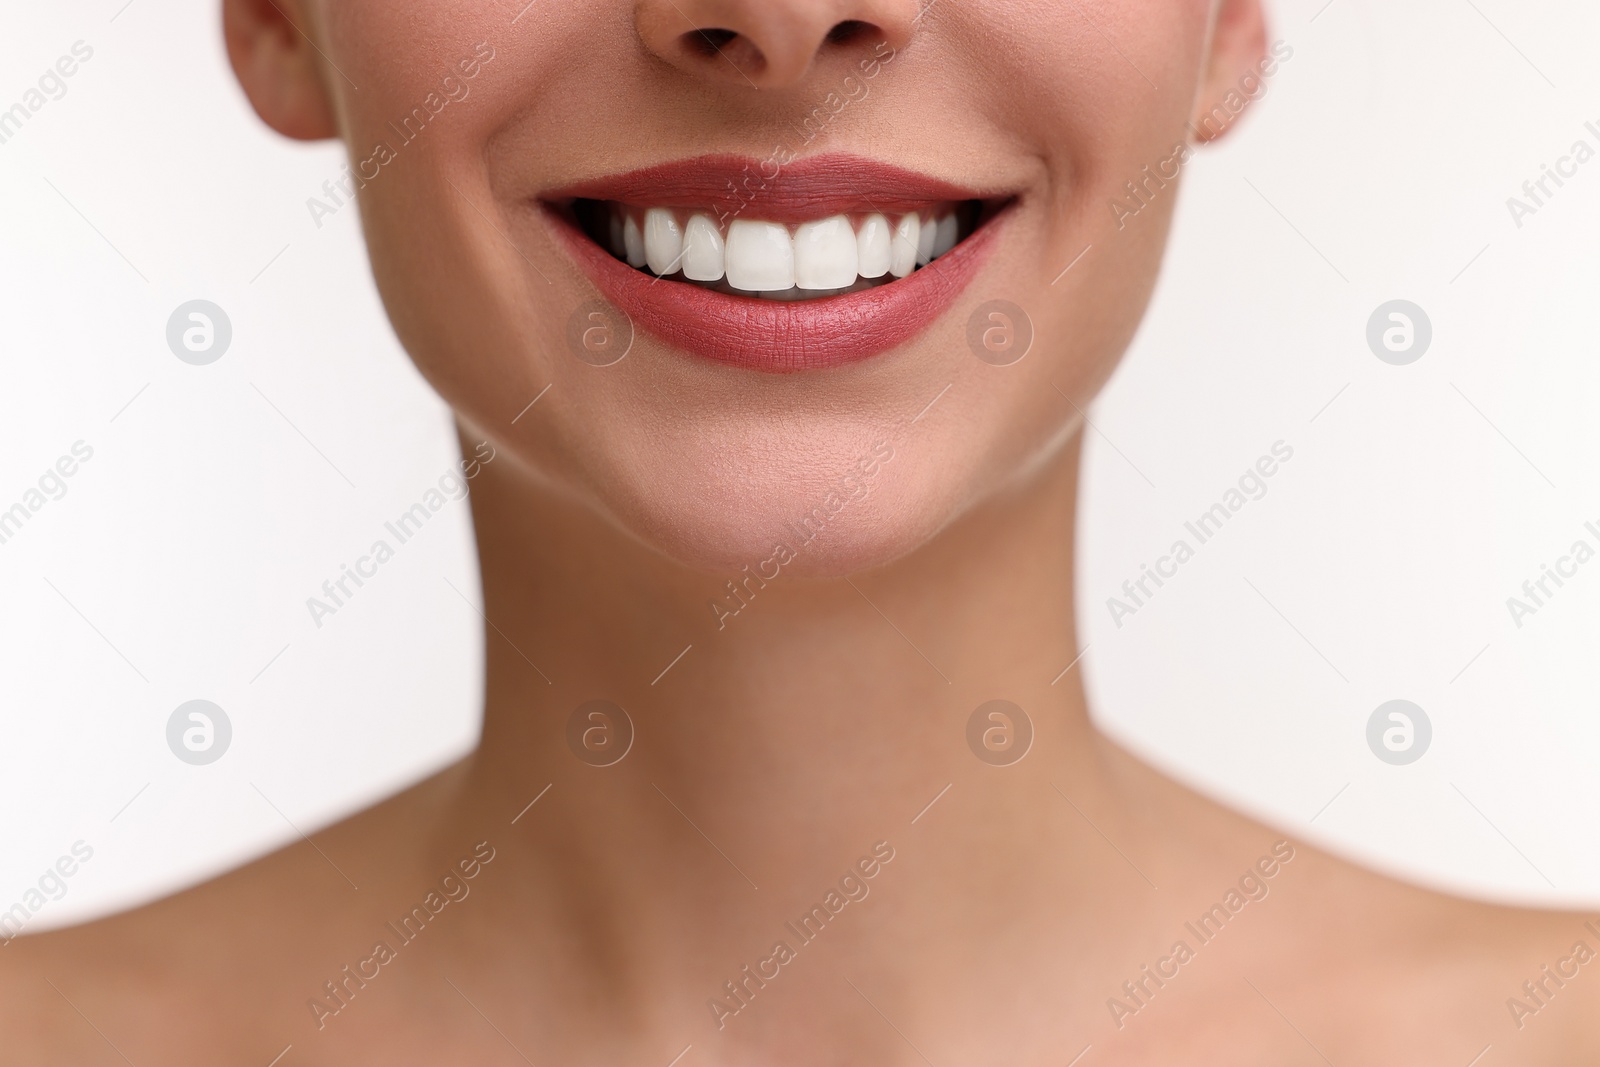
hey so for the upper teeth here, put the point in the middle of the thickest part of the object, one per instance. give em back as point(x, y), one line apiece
point(766, 257)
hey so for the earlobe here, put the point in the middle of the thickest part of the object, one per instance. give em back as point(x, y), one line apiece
point(1237, 65)
point(278, 67)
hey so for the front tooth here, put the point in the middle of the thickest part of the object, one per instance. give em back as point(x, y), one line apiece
point(825, 254)
point(903, 249)
point(702, 250)
point(633, 242)
point(925, 238)
point(872, 247)
point(663, 240)
point(944, 238)
point(760, 256)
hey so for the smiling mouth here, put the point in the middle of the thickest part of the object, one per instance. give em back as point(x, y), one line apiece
point(846, 252)
point(816, 264)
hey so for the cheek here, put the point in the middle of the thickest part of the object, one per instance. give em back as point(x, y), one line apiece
point(389, 48)
point(477, 315)
point(1103, 90)
point(463, 65)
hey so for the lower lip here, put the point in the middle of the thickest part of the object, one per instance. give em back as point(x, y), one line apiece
point(781, 337)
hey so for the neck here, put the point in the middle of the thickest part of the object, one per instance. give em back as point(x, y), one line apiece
point(767, 759)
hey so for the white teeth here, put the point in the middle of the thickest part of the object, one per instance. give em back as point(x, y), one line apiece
point(843, 253)
point(702, 250)
point(903, 249)
point(633, 242)
point(944, 237)
point(825, 254)
point(663, 241)
point(872, 247)
point(760, 256)
point(925, 238)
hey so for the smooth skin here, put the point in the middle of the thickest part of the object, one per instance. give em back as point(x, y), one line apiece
point(785, 744)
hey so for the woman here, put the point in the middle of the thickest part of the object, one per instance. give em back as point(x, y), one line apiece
point(768, 325)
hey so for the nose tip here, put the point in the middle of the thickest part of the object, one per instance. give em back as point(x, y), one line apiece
point(768, 44)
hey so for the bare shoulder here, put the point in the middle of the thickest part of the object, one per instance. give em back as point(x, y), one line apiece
point(217, 969)
point(131, 982)
point(1524, 981)
point(1370, 966)
point(1364, 966)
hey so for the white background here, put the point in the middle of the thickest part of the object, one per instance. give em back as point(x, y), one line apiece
point(1376, 567)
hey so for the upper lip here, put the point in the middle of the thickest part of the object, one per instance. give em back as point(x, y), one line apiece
point(774, 190)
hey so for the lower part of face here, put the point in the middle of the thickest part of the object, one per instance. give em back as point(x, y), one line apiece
point(523, 177)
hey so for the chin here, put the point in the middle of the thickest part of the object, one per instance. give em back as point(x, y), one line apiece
point(805, 501)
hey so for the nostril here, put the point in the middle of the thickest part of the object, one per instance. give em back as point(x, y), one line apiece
point(708, 42)
point(729, 45)
point(763, 43)
point(849, 30)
